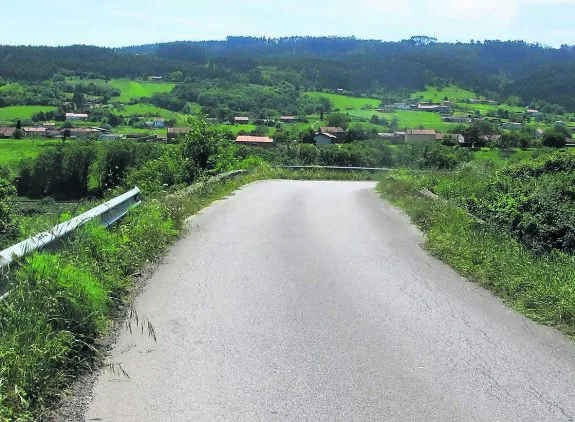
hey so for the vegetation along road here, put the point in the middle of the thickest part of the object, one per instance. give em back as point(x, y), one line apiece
point(314, 301)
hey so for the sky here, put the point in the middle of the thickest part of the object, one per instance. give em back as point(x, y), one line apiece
point(115, 23)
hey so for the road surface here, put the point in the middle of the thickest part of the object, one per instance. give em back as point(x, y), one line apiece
point(313, 301)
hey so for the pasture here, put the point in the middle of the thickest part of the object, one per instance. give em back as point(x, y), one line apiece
point(406, 119)
point(13, 113)
point(131, 90)
point(12, 151)
point(345, 103)
point(437, 95)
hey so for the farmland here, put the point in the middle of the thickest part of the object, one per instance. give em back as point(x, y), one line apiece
point(12, 113)
point(436, 95)
point(344, 102)
point(132, 90)
point(12, 151)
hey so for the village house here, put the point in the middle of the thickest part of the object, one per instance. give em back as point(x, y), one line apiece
point(82, 132)
point(532, 112)
point(395, 137)
point(255, 141)
point(35, 131)
point(239, 120)
point(174, 132)
point(159, 123)
point(7, 132)
point(511, 126)
point(401, 106)
point(324, 138)
point(435, 108)
point(456, 119)
point(338, 132)
point(76, 116)
point(288, 119)
point(419, 135)
point(110, 137)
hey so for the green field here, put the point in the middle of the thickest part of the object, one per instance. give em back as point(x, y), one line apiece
point(12, 113)
point(12, 151)
point(406, 119)
point(131, 90)
point(436, 95)
point(343, 102)
point(145, 110)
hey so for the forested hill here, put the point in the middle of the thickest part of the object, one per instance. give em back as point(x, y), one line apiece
point(497, 69)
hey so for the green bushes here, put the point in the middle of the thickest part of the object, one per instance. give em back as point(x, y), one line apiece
point(62, 172)
point(540, 286)
point(8, 229)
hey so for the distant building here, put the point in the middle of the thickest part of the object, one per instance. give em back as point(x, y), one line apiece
point(255, 141)
point(35, 131)
point(395, 138)
point(338, 132)
point(324, 138)
point(159, 123)
point(239, 120)
point(49, 125)
point(435, 108)
point(83, 132)
point(156, 78)
point(401, 106)
point(289, 119)
point(174, 132)
point(533, 112)
point(76, 116)
point(511, 126)
point(456, 119)
point(7, 132)
point(109, 137)
point(417, 135)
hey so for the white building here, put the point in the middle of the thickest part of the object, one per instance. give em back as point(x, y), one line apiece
point(76, 116)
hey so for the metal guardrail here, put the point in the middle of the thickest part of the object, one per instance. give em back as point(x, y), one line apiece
point(338, 168)
point(190, 190)
point(109, 213)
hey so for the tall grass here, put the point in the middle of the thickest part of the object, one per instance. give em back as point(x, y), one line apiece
point(541, 287)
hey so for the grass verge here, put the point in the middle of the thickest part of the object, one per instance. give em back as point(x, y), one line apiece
point(62, 302)
point(542, 287)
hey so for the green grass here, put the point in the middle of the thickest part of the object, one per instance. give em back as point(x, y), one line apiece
point(407, 119)
point(12, 151)
point(145, 110)
point(132, 90)
point(344, 103)
point(541, 287)
point(454, 93)
point(13, 113)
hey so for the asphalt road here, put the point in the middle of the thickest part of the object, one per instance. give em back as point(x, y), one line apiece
point(314, 301)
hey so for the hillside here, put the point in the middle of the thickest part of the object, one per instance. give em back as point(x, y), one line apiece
point(495, 69)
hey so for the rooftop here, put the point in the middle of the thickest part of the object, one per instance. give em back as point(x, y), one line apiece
point(255, 139)
point(421, 131)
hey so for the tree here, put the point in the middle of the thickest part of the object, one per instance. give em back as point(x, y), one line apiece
point(115, 120)
point(338, 120)
point(19, 124)
point(553, 139)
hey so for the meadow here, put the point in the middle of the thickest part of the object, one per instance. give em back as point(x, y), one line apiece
point(344, 103)
point(13, 113)
point(406, 119)
point(132, 90)
point(437, 95)
point(12, 151)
